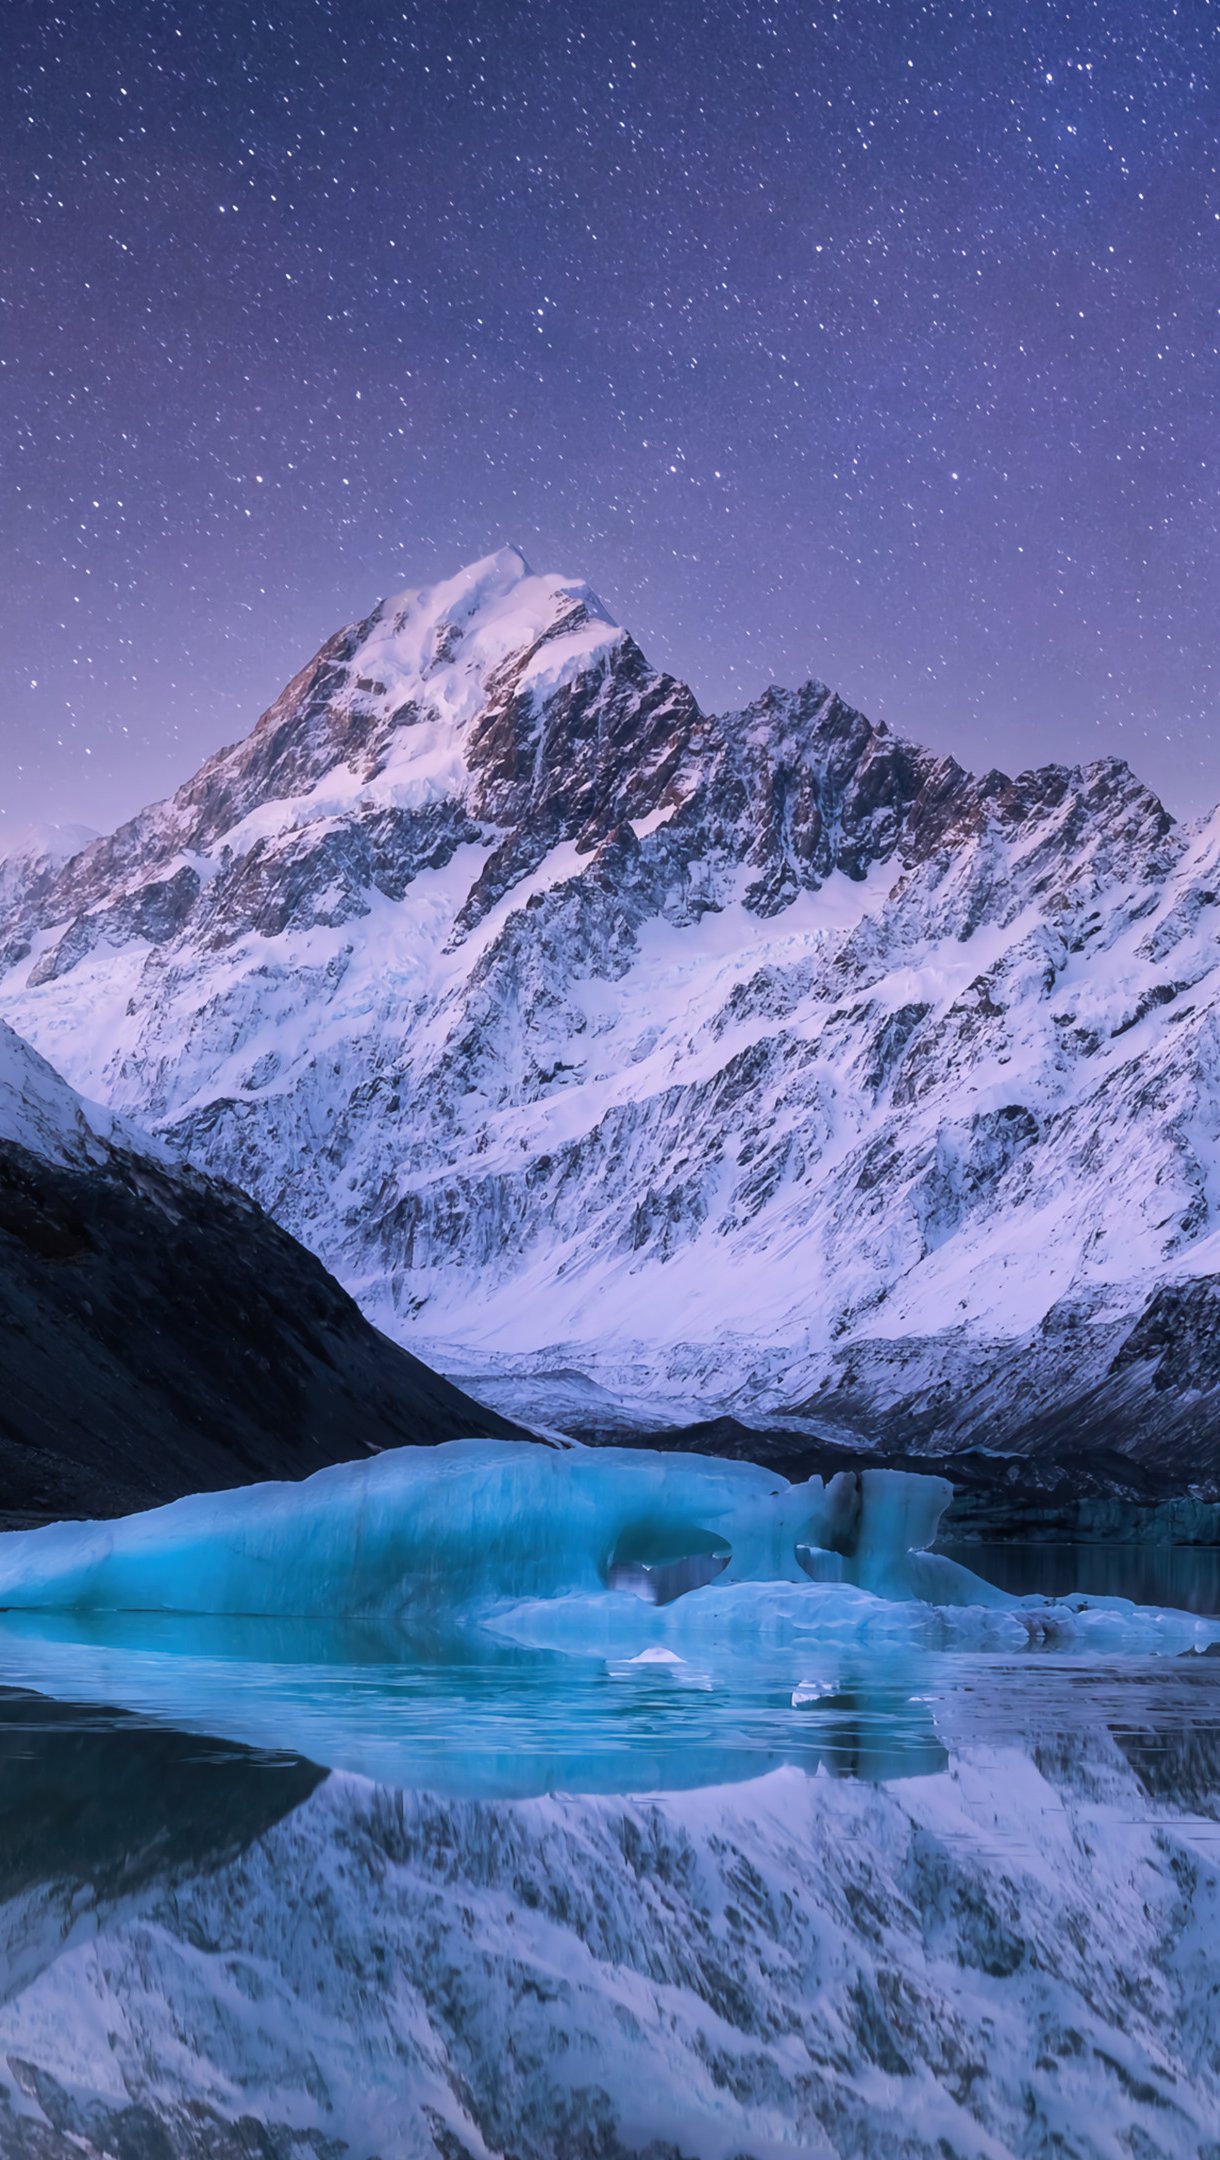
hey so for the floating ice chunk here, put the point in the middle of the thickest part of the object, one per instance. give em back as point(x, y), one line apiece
point(733, 1623)
point(657, 1655)
point(489, 1519)
point(527, 1541)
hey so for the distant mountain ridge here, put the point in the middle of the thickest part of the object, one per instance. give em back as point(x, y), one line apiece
point(766, 1060)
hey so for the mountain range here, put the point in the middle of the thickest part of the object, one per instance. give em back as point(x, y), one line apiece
point(642, 1063)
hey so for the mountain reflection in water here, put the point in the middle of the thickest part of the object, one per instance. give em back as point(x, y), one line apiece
point(942, 1906)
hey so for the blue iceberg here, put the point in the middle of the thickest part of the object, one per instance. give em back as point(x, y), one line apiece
point(594, 1550)
point(477, 1520)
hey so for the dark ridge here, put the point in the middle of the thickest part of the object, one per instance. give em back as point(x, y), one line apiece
point(103, 1797)
point(160, 1335)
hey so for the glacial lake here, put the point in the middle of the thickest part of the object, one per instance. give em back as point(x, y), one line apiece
point(1186, 1577)
point(309, 1893)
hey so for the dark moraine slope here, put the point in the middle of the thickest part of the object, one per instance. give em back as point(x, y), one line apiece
point(160, 1335)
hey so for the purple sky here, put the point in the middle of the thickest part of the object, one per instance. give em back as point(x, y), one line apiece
point(872, 342)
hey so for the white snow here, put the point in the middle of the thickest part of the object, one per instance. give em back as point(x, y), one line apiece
point(40, 1112)
point(491, 611)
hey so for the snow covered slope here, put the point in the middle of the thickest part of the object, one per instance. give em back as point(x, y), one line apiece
point(41, 1113)
point(33, 857)
point(766, 1058)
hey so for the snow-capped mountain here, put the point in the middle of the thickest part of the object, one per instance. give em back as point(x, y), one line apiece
point(766, 1058)
point(41, 1115)
point(160, 1334)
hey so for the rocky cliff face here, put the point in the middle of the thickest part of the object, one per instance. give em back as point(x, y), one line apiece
point(766, 1059)
point(160, 1335)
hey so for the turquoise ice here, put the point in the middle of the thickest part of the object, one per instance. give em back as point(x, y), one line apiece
point(475, 1520)
point(546, 1546)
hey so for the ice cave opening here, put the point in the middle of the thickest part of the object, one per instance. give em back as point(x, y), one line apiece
point(659, 1560)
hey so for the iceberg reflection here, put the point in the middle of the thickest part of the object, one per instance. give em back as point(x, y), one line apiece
point(207, 1949)
point(485, 1718)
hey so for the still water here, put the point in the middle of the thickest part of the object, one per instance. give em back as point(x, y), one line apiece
point(306, 1893)
point(1186, 1577)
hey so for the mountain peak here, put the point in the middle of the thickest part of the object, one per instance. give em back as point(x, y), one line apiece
point(443, 643)
point(46, 841)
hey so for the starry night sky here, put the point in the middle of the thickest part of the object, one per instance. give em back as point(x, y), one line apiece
point(876, 341)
